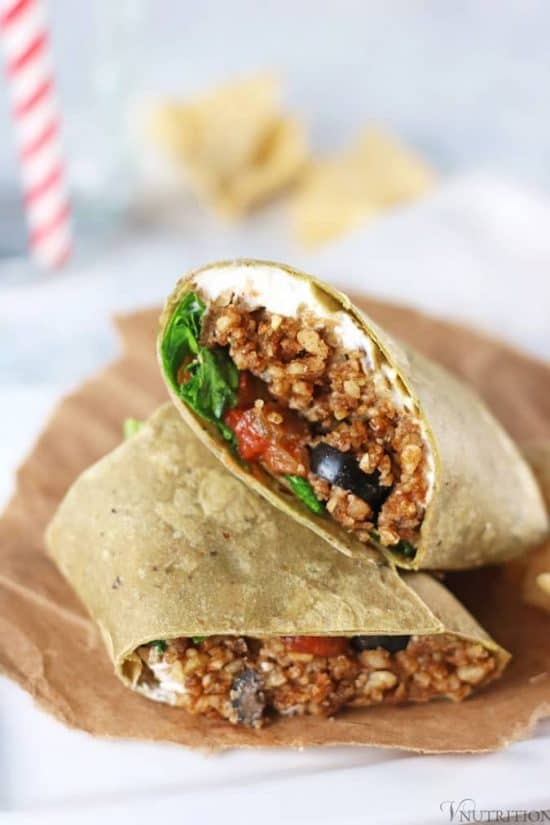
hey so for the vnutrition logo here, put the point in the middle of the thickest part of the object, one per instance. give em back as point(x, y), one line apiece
point(466, 810)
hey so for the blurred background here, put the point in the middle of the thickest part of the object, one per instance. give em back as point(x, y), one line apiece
point(466, 82)
point(449, 211)
point(462, 85)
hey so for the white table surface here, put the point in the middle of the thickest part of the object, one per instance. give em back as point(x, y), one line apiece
point(448, 255)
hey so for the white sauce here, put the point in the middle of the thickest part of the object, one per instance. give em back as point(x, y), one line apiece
point(166, 689)
point(261, 285)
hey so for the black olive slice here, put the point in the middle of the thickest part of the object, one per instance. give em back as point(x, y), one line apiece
point(390, 643)
point(343, 470)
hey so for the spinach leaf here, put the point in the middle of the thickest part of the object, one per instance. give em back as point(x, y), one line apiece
point(198, 639)
point(181, 338)
point(212, 387)
point(131, 426)
point(159, 644)
point(304, 491)
point(212, 377)
point(405, 548)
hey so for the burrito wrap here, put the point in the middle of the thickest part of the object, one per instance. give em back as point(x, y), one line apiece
point(160, 542)
point(483, 505)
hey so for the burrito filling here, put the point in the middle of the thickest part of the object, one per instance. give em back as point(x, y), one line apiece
point(248, 681)
point(312, 401)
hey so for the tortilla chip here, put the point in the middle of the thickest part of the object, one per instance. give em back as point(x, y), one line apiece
point(536, 578)
point(277, 163)
point(341, 192)
point(234, 147)
point(536, 584)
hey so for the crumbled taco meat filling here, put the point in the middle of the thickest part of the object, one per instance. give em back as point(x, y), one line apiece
point(248, 681)
point(309, 409)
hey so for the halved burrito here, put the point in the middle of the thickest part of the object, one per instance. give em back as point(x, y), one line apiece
point(336, 423)
point(204, 602)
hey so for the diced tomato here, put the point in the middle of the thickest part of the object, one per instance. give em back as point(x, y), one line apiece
point(317, 645)
point(273, 435)
point(286, 457)
point(252, 436)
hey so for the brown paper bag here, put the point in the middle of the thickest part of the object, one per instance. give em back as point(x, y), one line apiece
point(53, 650)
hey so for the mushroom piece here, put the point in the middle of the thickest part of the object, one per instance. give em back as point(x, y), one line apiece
point(247, 697)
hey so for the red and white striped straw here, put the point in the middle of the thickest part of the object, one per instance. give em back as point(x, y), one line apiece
point(24, 34)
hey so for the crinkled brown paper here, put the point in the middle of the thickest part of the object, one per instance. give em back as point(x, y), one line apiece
point(53, 650)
